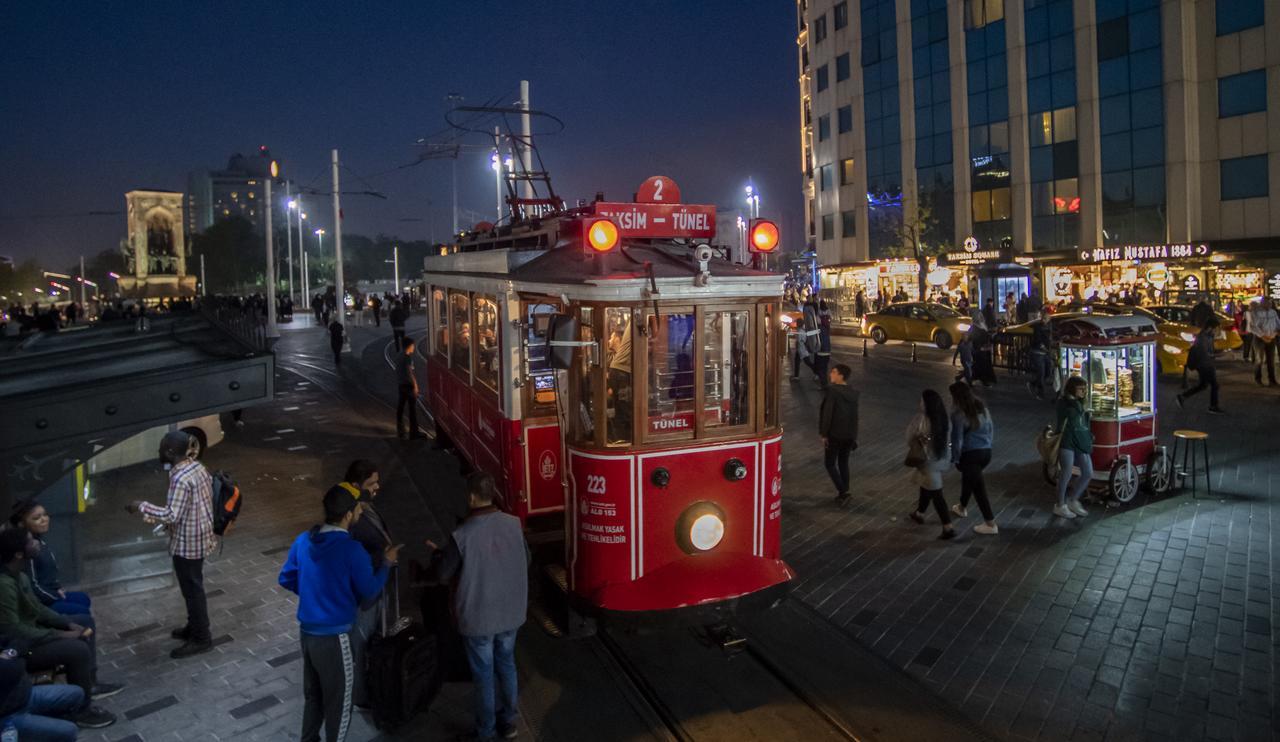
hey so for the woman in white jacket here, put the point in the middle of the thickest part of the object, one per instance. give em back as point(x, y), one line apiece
point(931, 430)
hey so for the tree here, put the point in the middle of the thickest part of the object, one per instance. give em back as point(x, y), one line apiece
point(234, 257)
point(921, 237)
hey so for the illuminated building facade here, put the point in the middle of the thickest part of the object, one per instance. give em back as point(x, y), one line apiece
point(1041, 125)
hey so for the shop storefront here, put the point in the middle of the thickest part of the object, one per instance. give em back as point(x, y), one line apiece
point(839, 285)
point(988, 273)
point(1181, 273)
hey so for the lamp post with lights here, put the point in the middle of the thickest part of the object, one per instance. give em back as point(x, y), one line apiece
point(273, 331)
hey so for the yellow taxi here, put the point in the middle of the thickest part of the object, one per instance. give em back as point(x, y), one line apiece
point(1228, 337)
point(1172, 346)
point(916, 320)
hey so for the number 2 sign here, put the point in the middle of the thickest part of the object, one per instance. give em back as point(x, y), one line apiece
point(658, 189)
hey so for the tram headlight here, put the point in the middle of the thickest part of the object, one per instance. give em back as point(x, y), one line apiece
point(1170, 349)
point(963, 326)
point(601, 235)
point(1187, 336)
point(706, 533)
point(764, 235)
point(700, 527)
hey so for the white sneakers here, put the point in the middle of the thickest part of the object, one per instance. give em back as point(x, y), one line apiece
point(1063, 512)
point(959, 511)
point(986, 530)
point(1077, 508)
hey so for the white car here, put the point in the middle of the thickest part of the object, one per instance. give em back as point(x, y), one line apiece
point(145, 446)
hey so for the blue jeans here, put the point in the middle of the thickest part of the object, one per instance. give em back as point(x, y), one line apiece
point(35, 723)
point(487, 654)
point(1068, 458)
point(72, 605)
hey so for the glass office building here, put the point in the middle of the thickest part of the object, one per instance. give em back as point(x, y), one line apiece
point(1046, 127)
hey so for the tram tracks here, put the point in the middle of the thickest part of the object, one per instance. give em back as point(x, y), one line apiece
point(692, 689)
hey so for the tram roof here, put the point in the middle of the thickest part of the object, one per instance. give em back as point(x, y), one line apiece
point(671, 263)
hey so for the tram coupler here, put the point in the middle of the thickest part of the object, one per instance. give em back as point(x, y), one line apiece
point(727, 638)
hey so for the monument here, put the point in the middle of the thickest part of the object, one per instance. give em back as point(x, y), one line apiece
point(156, 250)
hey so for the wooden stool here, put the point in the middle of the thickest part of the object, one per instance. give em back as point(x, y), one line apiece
point(1188, 439)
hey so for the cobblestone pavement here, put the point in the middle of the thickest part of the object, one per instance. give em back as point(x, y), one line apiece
point(1151, 621)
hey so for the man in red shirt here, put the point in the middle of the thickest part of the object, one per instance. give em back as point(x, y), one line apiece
point(188, 516)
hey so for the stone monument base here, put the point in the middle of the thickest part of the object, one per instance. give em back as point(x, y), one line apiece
point(158, 287)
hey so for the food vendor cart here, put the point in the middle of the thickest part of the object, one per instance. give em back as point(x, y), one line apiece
point(1115, 355)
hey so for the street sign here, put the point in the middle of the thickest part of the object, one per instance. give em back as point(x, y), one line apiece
point(660, 221)
point(658, 189)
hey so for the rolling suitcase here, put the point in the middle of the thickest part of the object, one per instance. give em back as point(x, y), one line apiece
point(401, 665)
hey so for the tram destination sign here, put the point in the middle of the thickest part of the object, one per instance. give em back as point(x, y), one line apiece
point(1146, 252)
point(660, 221)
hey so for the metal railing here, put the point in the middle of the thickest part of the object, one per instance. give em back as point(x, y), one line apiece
point(1011, 351)
point(246, 322)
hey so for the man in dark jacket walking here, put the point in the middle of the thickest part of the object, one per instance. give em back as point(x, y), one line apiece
point(407, 383)
point(838, 426)
point(1201, 359)
point(397, 317)
point(490, 561)
point(331, 574)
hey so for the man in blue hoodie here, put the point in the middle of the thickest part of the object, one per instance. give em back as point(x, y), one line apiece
point(332, 575)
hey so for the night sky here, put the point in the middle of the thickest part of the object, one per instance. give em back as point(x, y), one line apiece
point(101, 98)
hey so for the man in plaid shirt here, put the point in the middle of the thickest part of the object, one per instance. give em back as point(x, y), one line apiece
point(188, 516)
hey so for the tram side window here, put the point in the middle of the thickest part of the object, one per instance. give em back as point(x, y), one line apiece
point(584, 369)
point(619, 399)
point(671, 375)
point(726, 338)
point(486, 332)
point(460, 323)
point(440, 306)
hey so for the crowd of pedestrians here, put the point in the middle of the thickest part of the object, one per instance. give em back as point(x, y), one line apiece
point(343, 572)
point(962, 436)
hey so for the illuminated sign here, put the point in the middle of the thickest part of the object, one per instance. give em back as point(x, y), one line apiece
point(976, 256)
point(1158, 274)
point(1273, 286)
point(971, 244)
point(1145, 252)
point(660, 220)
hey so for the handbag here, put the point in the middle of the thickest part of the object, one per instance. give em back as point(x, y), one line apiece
point(1048, 443)
point(916, 454)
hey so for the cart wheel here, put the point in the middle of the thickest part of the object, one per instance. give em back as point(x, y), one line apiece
point(1160, 471)
point(1050, 472)
point(1123, 483)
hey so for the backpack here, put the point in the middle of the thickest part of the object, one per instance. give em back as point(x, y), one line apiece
point(226, 502)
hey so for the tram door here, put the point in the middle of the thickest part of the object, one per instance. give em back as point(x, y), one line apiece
point(541, 429)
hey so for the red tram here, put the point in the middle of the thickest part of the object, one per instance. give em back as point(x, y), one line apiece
point(618, 375)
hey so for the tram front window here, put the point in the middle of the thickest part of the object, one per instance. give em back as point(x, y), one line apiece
point(726, 339)
point(619, 400)
point(672, 394)
point(460, 318)
point(486, 331)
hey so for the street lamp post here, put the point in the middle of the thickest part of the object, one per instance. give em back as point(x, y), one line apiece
point(288, 234)
point(273, 331)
